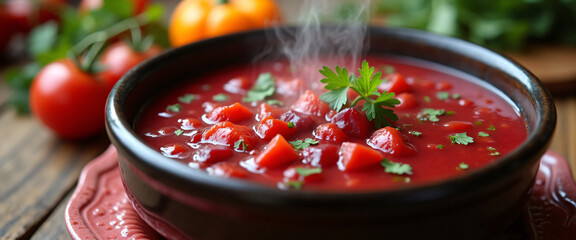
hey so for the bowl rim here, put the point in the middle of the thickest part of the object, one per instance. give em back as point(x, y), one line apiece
point(125, 139)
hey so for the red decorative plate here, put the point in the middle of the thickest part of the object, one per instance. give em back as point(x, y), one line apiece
point(99, 207)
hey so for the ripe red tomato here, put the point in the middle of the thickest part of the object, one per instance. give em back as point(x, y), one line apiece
point(20, 16)
point(68, 100)
point(119, 57)
point(87, 5)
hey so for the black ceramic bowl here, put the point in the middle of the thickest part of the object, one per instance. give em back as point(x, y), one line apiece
point(180, 202)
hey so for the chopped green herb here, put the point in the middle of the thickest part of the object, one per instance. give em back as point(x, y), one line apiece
point(187, 98)
point(440, 146)
point(478, 123)
point(429, 114)
point(389, 69)
point(463, 166)
point(443, 95)
point(450, 113)
point(415, 133)
point(178, 132)
point(483, 134)
point(275, 102)
point(427, 99)
point(461, 138)
point(291, 125)
point(296, 185)
point(493, 151)
point(301, 144)
point(263, 88)
point(221, 97)
point(366, 85)
point(174, 107)
point(491, 128)
point(396, 167)
point(240, 145)
point(456, 96)
point(304, 172)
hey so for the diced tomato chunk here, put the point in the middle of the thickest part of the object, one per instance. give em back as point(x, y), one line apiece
point(330, 132)
point(310, 103)
point(174, 150)
point(227, 133)
point(353, 123)
point(277, 153)
point(289, 87)
point(270, 127)
point(211, 154)
point(389, 140)
point(227, 169)
point(237, 85)
point(291, 174)
point(265, 110)
point(443, 86)
point(323, 155)
point(407, 101)
point(354, 156)
point(233, 113)
point(189, 123)
point(396, 84)
point(458, 126)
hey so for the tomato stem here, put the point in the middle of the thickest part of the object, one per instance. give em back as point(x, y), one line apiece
point(93, 44)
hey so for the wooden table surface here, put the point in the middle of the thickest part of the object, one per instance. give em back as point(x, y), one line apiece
point(38, 171)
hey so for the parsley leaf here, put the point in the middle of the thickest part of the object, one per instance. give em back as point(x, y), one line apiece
point(430, 114)
point(304, 172)
point(174, 107)
point(396, 167)
point(221, 97)
point(461, 138)
point(443, 95)
point(263, 88)
point(366, 85)
point(463, 166)
point(301, 144)
point(483, 134)
point(188, 98)
point(178, 132)
point(240, 145)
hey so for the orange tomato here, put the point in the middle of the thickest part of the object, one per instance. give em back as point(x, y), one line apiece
point(194, 20)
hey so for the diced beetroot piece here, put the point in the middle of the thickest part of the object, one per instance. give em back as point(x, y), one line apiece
point(237, 85)
point(407, 101)
point(211, 154)
point(189, 123)
point(289, 87)
point(396, 84)
point(265, 110)
point(310, 103)
point(389, 140)
point(233, 113)
point(330, 132)
point(458, 126)
point(291, 174)
point(227, 169)
point(355, 156)
point(323, 155)
point(353, 123)
point(174, 150)
point(278, 152)
point(270, 127)
point(227, 133)
point(301, 121)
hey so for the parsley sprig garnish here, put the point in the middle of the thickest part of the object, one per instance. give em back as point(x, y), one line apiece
point(366, 85)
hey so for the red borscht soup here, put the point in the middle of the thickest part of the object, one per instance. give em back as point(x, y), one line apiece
point(269, 124)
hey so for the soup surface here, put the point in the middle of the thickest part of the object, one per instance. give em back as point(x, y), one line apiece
point(267, 124)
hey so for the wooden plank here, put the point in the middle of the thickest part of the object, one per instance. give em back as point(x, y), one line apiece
point(37, 169)
point(564, 140)
point(54, 227)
